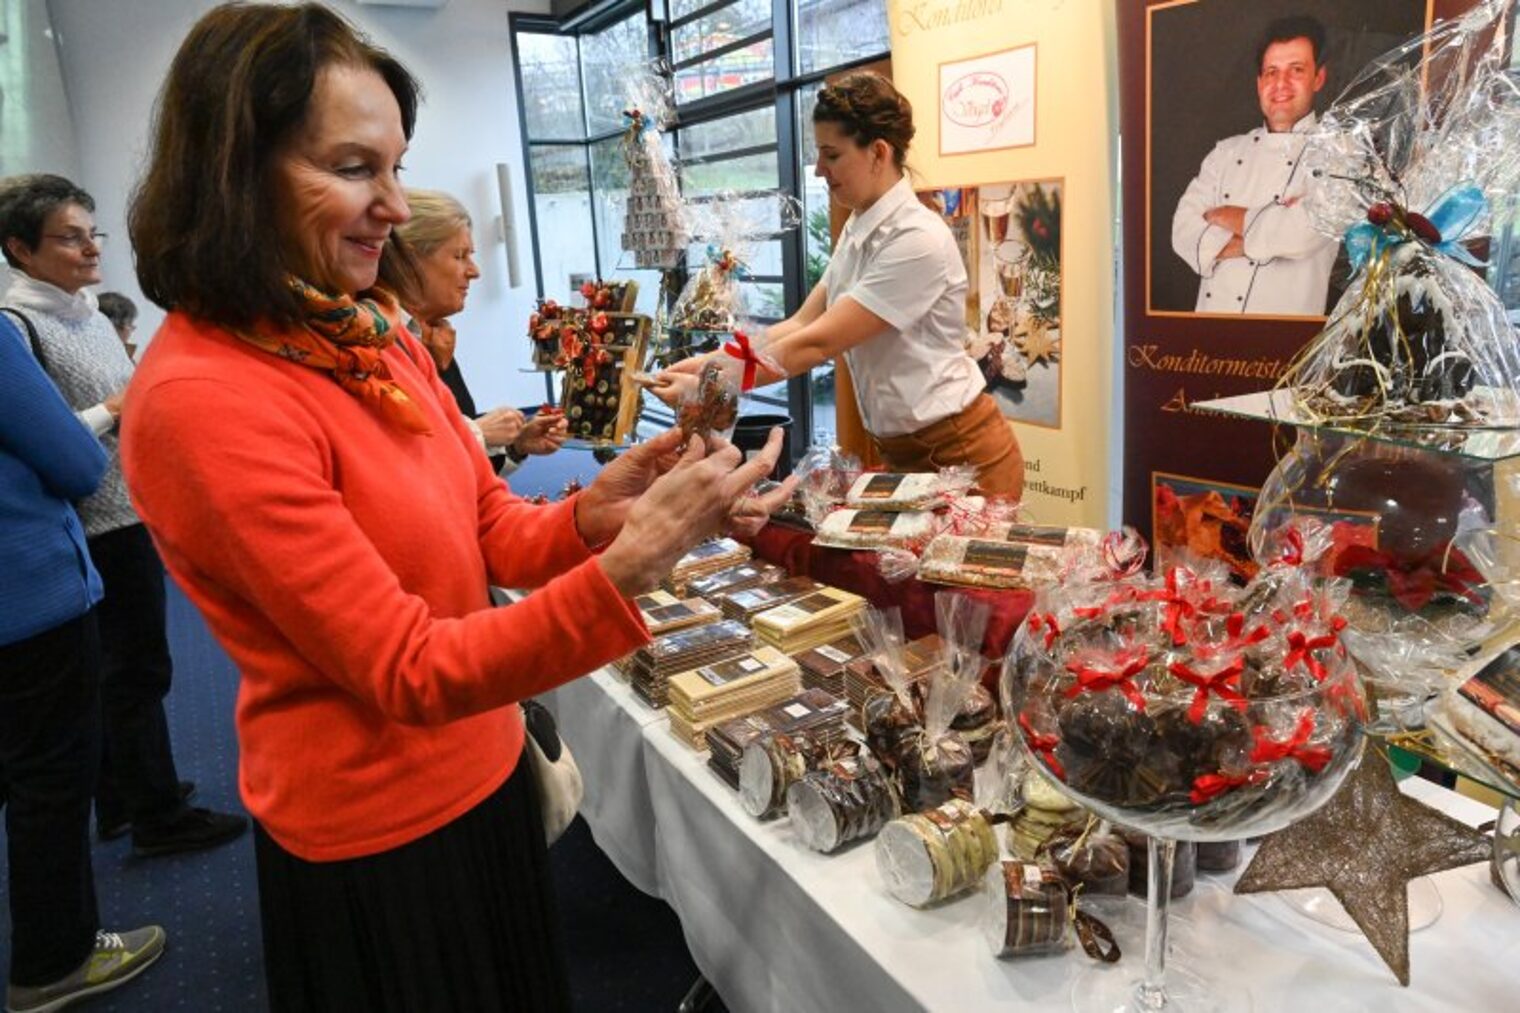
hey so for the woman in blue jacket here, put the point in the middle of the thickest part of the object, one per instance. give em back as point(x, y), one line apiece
point(49, 708)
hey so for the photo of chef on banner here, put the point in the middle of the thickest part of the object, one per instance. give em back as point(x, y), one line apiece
point(1229, 230)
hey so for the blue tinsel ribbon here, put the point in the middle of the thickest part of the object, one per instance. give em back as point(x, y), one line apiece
point(1454, 215)
point(715, 254)
point(634, 118)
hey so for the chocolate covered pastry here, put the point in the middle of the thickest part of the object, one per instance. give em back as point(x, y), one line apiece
point(1091, 856)
point(930, 773)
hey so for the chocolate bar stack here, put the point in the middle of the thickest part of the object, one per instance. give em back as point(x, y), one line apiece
point(706, 697)
point(812, 711)
point(736, 578)
point(823, 667)
point(663, 657)
point(704, 561)
point(804, 623)
point(664, 613)
point(747, 604)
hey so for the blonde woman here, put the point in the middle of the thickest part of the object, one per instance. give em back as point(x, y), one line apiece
point(438, 236)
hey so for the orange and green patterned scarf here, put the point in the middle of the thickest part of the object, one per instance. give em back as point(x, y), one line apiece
point(345, 337)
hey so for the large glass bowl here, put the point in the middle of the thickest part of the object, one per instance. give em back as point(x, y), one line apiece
point(1128, 742)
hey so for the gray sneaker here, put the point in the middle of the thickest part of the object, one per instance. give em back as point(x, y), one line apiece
point(118, 958)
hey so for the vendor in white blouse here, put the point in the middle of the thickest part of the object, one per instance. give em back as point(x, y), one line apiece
point(892, 301)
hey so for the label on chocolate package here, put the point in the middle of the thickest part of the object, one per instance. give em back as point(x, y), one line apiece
point(797, 711)
point(835, 655)
point(801, 609)
point(726, 672)
point(1031, 535)
point(881, 486)
point(876, 522)
point(997, 555)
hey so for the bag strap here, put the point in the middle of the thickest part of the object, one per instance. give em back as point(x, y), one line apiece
point(31, 334)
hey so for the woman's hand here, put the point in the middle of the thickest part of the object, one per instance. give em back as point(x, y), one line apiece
point(601, 507)
point(501, 426)
point(542, 434)
point(704, 494)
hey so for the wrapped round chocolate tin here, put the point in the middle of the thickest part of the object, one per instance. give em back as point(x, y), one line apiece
point(851, 799)
point(772, 763)
point(930, 856)
point(1027, 909)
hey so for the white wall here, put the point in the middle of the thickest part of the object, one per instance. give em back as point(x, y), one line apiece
point(115, 55)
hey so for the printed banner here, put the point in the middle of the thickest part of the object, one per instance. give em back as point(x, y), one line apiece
point(1014, 148)
point(1225, 279)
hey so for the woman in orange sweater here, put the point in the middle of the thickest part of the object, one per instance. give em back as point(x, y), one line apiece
point(315, 494)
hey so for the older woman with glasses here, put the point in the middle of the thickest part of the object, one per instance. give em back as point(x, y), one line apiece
point(48, 235)
point(321, 500)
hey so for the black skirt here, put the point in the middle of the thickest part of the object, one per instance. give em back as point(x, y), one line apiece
point(462, 919)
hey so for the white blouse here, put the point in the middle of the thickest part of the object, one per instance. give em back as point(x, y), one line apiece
point(899, 260)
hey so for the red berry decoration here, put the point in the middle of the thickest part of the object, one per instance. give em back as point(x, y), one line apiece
point(599, 323)
point(1422, 227)
point(1380, 213)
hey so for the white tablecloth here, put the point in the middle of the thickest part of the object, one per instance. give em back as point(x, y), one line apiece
point(778, 928)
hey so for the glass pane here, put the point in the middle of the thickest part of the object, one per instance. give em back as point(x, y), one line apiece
point(739, 20)
point(831, 32)
point(727, 72)
point(763, 300)
point(680, 8)
point(815, 196)
point(825, 424)
point(562, 210)
point(551, 85)
point(731, 133)
point(750, 172)
point(609, 178)
point(609, 59)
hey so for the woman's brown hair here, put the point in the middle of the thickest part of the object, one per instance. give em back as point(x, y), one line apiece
point(867, 108)
point(202, 219)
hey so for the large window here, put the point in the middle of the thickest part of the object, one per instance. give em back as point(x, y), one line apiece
point(744, 76)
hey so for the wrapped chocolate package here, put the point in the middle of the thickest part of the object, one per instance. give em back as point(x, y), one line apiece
point(1184, 864)
point(746, 604)
point(914, 491)
point(865, 678)
point(877, 529)
point(773, 762)
point(676, 614)
point(817, 618)
point(1091, 856)
point(714, 693)
point(932, 856)
point(1030, 910)
point(981, 562)
point(849, 800)
point(936, 764)
point(736, 578)
point(655, 662)
point(655, 229)
point(977, 722)
point(1217, 856)
point(824, 476)
point(812, 711)
point(824, 666)
point(1407, 163)
point(712, 410)
point(1042, 813)
point(705, 560)
point(889, 716)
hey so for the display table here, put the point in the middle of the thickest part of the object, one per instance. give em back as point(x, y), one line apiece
point(775, 927)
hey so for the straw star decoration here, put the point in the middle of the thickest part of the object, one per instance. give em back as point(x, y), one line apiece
point(1038, 346)
point(1364, 846)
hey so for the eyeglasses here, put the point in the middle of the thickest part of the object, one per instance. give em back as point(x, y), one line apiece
point(77, 240)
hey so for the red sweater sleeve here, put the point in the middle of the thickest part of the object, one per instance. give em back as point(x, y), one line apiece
point(238, 489)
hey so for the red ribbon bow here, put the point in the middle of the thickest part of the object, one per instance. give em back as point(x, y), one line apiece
point(1048, 623)
point(1300, 652)
point(1093, 678)
point(1236, 638)
point(1217, 683)
point(1210, 786)
point(1178, 607)
point(741, 349)
point(1268, 750)
point(1413, 582)
point(1044, 746)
